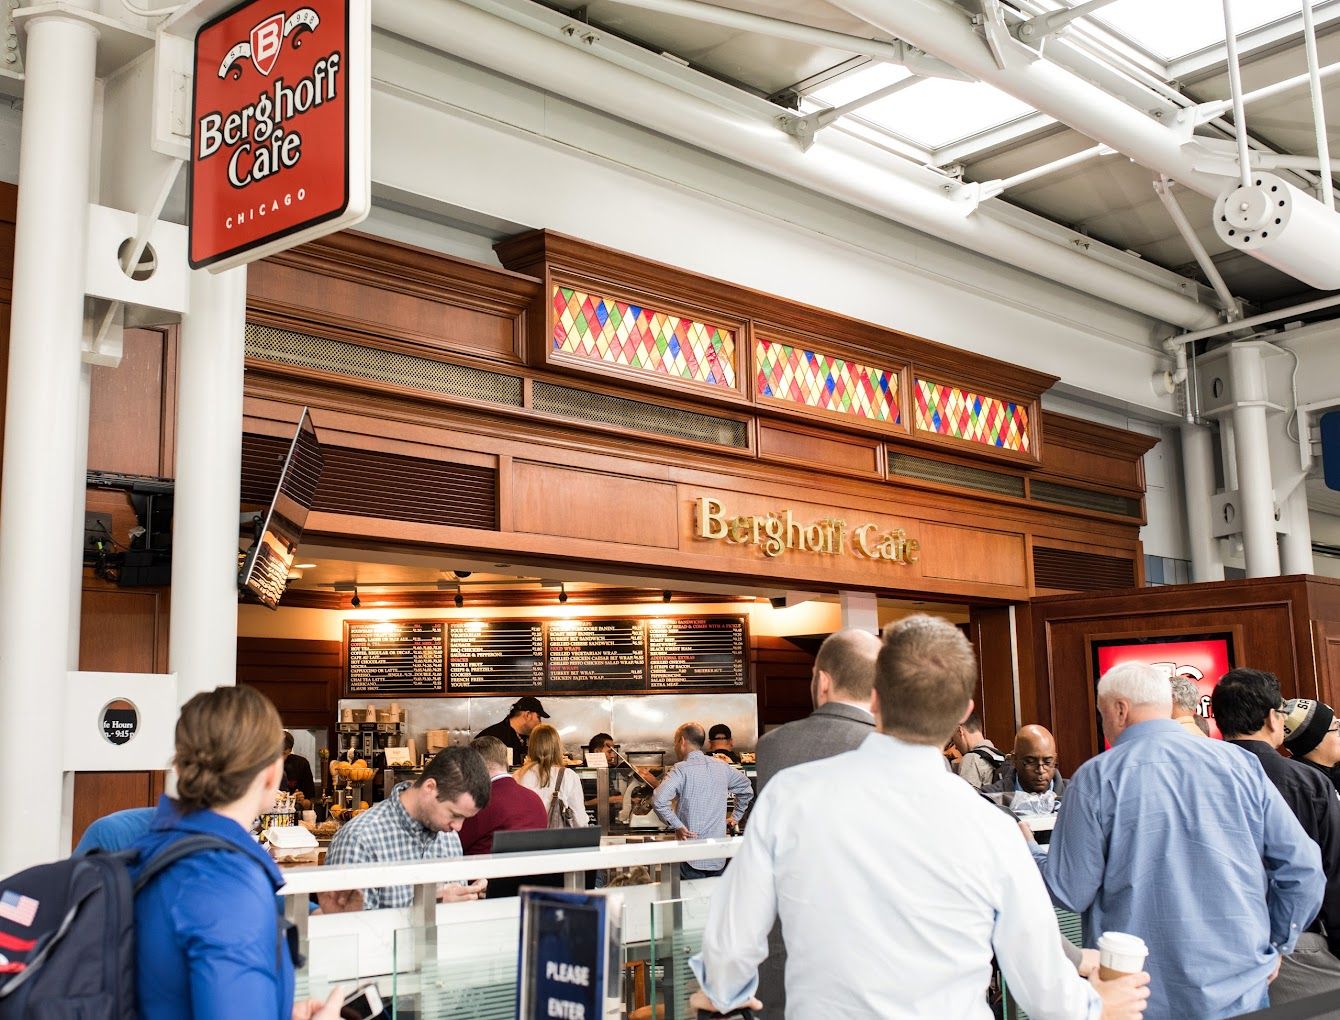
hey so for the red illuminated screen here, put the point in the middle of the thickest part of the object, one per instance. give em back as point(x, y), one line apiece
point(1200, 658)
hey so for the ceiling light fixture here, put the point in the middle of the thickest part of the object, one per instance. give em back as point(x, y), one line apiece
point(459, 599)
point(562, 592)
point(304, 566)
point(665, 595)
point(355, 601)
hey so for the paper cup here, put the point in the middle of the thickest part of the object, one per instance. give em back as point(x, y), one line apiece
point(1120, 954)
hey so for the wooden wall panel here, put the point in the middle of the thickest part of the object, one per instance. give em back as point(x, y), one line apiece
point(1289, 626)
point(363, 289)
point(100, 793)
point(990, 628)
point(782, 673)
point(550, 500)
point(966, 554)
point(122, 631)
point(130, 424)
point(812, 449)
point(301, 677)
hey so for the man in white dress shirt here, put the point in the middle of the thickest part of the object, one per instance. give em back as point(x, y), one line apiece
point(881, 919)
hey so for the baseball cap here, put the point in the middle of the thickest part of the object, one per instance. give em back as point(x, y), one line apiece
point(529, 704)
point(719, 731)
point(1305, 724)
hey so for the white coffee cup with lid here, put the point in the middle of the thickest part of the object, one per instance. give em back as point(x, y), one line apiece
point(1120, 954)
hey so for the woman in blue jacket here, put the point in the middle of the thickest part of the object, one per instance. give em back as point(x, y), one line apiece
point(209, 929)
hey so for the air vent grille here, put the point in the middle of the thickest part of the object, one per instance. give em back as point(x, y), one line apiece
point(1066, 570)
point(283, 347)
point(1084, 499)
point(956, 474)
point(365, 483)
point(639, 415)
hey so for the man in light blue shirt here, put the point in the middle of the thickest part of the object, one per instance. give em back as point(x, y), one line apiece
point(702, 784)
point(1186, 844)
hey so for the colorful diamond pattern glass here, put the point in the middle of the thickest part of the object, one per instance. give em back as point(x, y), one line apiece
point(811, 379)
point(954, 412)
point(618, 333)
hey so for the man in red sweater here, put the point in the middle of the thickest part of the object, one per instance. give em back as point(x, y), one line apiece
point(510, 806)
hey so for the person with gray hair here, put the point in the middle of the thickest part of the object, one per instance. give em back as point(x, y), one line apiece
point(894, 881)
point(1187, 845)
point(702, 784)
point(1185, 702)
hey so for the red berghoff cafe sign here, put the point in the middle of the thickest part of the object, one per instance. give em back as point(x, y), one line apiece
point(279, 139)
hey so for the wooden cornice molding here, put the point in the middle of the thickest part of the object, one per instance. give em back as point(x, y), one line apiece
point(371, 598)
point(405, 269)
point(538, 252)
point(1079, 434)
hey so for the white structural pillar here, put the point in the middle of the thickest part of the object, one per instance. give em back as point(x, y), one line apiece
point(860, 610)
point(1251, 442)
point(1198, 482)
point(42, 430)
point(1296, 544)
point(203, 643)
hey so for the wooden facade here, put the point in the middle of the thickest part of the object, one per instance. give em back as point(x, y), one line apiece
point(1287, 625)
point(603, 465)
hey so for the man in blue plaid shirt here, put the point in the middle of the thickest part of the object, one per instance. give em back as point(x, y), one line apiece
point(417, 822)
point(702, 783)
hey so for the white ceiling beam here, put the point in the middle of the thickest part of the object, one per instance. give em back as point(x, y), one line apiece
point(946, 31)
point(836, 165)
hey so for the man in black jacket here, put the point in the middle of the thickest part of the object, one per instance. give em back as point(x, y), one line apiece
point(1248, 709)
point(1312, 736)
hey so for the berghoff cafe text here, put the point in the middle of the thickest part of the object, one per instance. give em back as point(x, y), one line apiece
point(265, 142)
point(778, 532)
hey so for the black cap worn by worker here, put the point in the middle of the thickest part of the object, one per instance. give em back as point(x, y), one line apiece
point(719, 732)
point(1305, 724)
point(529, 704)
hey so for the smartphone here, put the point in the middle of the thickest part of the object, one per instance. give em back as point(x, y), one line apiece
point(363, 1004)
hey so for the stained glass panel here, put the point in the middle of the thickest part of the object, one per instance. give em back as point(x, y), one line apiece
point(619, 333)
point(951, 411)
point(811, 379)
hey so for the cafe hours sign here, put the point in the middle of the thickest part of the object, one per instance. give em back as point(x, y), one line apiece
point(280, 127)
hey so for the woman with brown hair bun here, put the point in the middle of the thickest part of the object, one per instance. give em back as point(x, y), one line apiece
point(209, 933)
point(559, 787)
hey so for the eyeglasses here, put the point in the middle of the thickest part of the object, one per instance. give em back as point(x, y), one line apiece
point(1037, 763)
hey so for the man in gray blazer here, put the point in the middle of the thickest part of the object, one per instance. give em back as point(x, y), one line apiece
point(840, 687)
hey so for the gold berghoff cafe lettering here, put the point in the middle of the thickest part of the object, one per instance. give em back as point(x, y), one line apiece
point(777, 532)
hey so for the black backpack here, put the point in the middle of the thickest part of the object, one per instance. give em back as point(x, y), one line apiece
point(74, 959)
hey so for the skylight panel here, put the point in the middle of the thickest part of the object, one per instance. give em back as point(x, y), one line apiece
point(856, 84)
point(938, 111)
point(1171, 30)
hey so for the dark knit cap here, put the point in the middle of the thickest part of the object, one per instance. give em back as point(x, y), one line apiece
point(1305, 724)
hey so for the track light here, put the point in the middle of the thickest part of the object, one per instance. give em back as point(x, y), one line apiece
point(459, 599)
point(562, 592)
point(461, 574)
point(355, 601)
point(665, 595)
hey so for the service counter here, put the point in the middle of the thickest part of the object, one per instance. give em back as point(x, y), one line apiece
point(458, 961)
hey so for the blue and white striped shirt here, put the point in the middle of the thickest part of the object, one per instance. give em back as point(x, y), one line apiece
point(702, 784)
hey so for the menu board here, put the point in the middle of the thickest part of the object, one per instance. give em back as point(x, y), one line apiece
point(496, 655)
point(413, 658)
point(597, 655)
point(404, 657)
point(704, 651)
